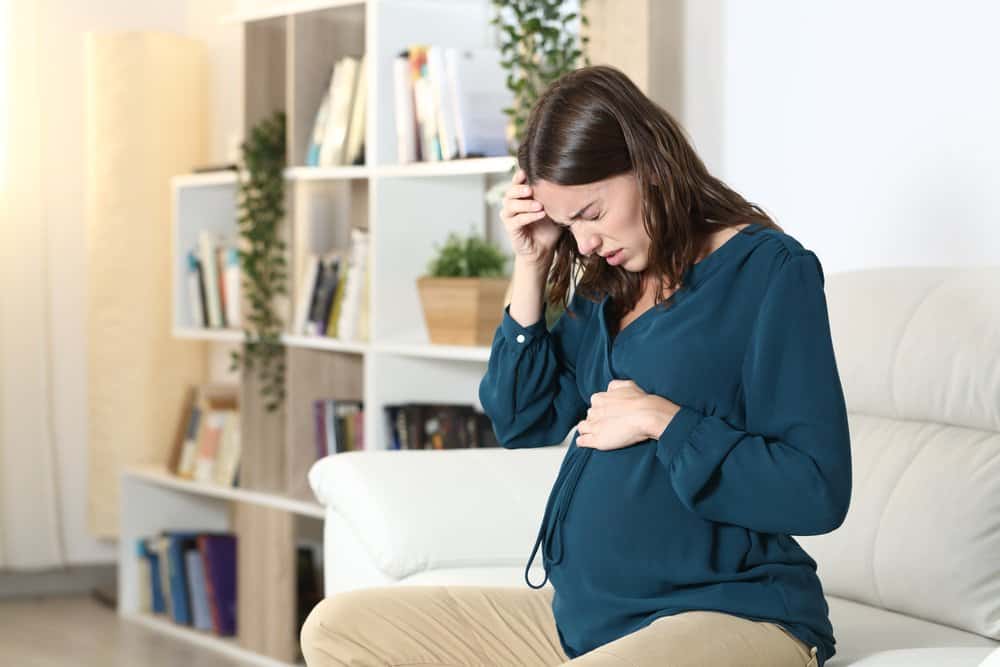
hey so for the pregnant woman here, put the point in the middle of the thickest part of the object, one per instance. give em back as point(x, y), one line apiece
point(694, 362)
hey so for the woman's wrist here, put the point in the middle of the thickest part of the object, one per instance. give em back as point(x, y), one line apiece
point(659, 414)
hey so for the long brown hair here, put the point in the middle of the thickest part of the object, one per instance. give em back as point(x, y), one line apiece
point(594, 123)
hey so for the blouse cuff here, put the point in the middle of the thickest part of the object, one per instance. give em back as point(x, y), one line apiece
point(520, 334)
point(677, 433)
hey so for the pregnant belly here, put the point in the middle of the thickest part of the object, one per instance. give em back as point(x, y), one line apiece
point(626, 530)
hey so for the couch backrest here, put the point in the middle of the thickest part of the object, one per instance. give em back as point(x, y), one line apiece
point(918, 350)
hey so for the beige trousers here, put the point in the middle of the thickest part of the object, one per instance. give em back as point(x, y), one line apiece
point(495, 626)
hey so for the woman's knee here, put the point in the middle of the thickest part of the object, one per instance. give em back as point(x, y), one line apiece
point(328, 626)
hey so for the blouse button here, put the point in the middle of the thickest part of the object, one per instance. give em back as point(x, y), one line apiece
point(520, 338)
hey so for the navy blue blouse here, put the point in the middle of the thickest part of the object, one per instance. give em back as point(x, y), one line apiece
point(702, 516)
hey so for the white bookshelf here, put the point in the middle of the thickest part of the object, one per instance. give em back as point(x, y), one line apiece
point(155, 500)
point(408, 209)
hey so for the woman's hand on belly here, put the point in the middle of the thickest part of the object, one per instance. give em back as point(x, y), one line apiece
point(622, 416)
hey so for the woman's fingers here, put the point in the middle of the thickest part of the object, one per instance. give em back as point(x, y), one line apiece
point(521, 211)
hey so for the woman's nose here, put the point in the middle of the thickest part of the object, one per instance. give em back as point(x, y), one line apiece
point(588, 243)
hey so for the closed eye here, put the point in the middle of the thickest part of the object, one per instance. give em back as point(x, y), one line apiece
point(584, 219)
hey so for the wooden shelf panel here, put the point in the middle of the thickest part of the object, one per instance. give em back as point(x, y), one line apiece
point(159, 476)
point(325, 343)
point(227, 646)
point(411, 347)
point(469, 166)
point(484, 165)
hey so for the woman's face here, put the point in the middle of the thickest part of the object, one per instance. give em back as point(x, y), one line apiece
point(608, 220)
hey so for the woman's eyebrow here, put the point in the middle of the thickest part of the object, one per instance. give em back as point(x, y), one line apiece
point(578, 214)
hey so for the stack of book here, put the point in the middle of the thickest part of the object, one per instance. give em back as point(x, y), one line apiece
point(213, 282)
point(333, 293)
point(338, 133)
point(340, 426)
point(438, 426)
point(207, 443)
point(190, 577)
point(449, 103)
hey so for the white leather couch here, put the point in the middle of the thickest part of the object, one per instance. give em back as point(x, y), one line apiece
point(912, 577)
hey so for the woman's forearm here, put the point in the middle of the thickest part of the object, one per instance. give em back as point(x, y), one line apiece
point(528, 290)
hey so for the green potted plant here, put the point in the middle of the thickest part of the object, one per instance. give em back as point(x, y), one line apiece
point(464, 291)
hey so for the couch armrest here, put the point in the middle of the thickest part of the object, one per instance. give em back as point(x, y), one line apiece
point(415, 510)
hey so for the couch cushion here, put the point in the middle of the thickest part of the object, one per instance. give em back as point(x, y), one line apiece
point(862, 630)
point(918, 350)
point(406, 524)
point(925, 657)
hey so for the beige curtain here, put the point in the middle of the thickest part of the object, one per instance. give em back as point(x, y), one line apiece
point(30, 530)
point(145, 121)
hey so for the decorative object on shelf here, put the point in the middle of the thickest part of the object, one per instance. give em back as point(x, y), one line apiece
point(537, 49)
point(261, 210)
point(463, 294)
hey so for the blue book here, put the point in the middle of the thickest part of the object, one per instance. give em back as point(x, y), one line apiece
point(159, 605)
point(180, 605)
point(200, 611)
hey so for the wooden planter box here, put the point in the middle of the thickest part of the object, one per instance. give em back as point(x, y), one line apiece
point(462, 311)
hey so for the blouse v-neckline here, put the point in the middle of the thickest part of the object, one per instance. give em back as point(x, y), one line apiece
point(695, 275)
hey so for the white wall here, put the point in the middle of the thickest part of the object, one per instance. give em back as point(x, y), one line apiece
point(870, 130)
point(64, 23)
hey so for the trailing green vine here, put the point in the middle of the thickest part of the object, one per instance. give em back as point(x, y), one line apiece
point(261, 203)
point(537, 47)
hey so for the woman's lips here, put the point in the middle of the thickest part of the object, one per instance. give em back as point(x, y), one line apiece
point(614, 257)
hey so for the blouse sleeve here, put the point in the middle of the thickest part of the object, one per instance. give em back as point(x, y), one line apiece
point(529, 390)
point(790, 472)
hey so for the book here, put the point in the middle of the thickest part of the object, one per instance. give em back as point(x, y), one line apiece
point(228, 458)
point(407, 136)
point(208, 446)
point(197, 451)
point(355, 143)
point(423, 104)
point(319, 421)
point(197, 308)
point(307, 292)
point(183, 429)
point(326, 286)
point(443, 107)
point(343, 83)
point(177, 544)
point(201, 615)
point(220, 268)
point(438, 426)
point(158, 545)
point(150, 578)
point(333, 326)
point(210, 273)
point(231, 282)
point(347, 328)
point(319, 128)
point(479, 96)
point(218, 552)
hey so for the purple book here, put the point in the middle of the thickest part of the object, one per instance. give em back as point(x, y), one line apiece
point(219, 554)
point(319, 416)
